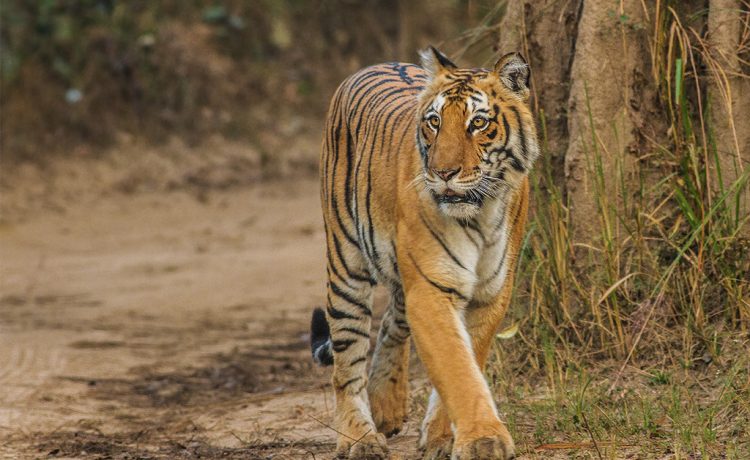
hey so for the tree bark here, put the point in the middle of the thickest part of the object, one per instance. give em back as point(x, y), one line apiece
point(594, 82)
point(545, 32)
point(610, 60)
point(729, 95)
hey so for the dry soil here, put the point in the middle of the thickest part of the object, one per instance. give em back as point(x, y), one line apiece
point(165, 325)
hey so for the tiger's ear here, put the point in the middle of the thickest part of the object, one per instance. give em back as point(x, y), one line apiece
point(435, 62)
point(514, 72)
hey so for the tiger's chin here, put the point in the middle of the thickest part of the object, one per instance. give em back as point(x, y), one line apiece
point(463, 211)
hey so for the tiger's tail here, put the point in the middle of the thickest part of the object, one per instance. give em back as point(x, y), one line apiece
point(320, 338)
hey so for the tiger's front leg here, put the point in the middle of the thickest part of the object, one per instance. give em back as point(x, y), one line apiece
point(434, 312)
point(482, 320)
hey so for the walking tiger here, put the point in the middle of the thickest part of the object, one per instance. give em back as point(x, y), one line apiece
point(424, 187)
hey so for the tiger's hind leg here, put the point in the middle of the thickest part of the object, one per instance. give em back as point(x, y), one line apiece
point(388, 386)
point(349, 317)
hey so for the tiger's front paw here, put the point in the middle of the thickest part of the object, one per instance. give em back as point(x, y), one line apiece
point(438, 448)
point(436, 437)
point(484, 449)
point(370, 447)
point(495, 445)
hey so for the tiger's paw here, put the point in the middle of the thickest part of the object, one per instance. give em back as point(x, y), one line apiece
point(372, 446)
point(388, 405)
point(438, 449)
point(498, 447)
point(436, 436)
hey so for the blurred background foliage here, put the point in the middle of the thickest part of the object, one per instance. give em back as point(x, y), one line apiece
point(88, 71)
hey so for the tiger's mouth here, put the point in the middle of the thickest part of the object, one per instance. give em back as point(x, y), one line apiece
point(449, 196)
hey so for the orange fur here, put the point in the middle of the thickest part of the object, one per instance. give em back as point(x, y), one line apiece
point(424, 189)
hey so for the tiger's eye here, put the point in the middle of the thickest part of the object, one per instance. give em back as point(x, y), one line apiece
point(479, 122)
point(434, 121)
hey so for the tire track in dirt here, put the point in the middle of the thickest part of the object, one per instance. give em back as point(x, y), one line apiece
point(23, 367)
point(211, 361)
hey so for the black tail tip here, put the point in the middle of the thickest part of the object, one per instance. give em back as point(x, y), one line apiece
point(319, 330)
point(320, 338)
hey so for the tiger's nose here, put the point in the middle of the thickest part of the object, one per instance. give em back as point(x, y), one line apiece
point(446, 174)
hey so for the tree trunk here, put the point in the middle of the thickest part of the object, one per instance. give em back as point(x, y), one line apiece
point(729, 94)
point(545, 32)
point(609, 63)
point(596, 84)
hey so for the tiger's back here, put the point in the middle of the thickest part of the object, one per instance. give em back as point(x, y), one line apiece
point(370, 123)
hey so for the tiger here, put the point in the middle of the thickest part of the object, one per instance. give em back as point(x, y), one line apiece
point(424, 189)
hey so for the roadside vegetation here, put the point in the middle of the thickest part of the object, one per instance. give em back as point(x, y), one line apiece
point(637, 341)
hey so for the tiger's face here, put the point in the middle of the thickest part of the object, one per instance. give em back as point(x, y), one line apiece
point(475, 131)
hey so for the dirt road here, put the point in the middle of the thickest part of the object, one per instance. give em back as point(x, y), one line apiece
point(165, 326)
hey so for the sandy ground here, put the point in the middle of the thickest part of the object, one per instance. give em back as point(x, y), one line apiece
point(164, 326)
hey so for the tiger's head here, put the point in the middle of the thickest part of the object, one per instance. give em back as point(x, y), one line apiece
point(476, 134)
